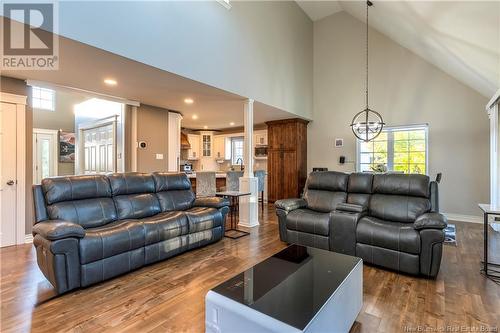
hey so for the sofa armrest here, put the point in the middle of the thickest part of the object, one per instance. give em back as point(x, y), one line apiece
point(290, 204)
point(351, 208)
point(212, 202)
point(430, 221)
point(58, 229)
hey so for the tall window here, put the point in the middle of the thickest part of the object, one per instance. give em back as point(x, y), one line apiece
point(399, 149)
point(43, 98)
point(237, 150)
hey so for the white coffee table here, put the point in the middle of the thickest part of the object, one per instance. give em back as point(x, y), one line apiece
point(299, 289)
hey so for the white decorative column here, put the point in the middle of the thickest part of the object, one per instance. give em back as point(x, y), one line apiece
point(174, 141)
point(493, 113)
point(249, 205)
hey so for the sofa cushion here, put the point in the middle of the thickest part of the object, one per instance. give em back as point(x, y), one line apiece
point(165, 226)
point(324, 201)
point(398, 208)
point(59, 189)
point(88, 213)
point(111, 239)
point(359, 188)
point(390, 235)
point(306, 220)
point(401, 184)
point(173, 191)
point(136, 206)
point(131, 183)
point(203, 218)
point(327, 181)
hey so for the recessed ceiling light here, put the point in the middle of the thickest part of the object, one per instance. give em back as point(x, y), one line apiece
point(188, 100)
point(110, 82)
point(194, 117)
point(231, 124)
point(205, 127)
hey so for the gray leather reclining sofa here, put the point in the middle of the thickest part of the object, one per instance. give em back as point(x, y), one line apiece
point(390, 220)
point(92, 228)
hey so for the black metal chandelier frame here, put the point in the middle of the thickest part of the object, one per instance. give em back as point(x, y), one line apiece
point(365, 129)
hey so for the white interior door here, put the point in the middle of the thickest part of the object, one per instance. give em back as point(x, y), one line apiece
point(99, 149)
point(44, 154)
point(8, 184)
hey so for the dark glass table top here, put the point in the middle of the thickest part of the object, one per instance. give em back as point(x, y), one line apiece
point(292, 285)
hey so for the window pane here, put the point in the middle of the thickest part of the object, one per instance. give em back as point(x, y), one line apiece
point(366, 147)
point(417, 168)
point(401, 135)
point(417, 157)
point(401, 168)
point(418, 134)
point(400, 146)
point(46, 94)
point(417, 145)
point(381, 137)
point(365, 158)
point(46, 104)
point(380, 158)
point(401, 158)
point(365, 167)
point(380, 147)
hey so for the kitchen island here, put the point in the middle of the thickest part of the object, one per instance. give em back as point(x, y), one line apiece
point(220, 180)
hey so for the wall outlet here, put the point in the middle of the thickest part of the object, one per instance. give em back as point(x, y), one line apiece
point(159, 156)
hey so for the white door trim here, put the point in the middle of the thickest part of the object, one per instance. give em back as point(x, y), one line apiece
point(20, 102)
point(55, 133)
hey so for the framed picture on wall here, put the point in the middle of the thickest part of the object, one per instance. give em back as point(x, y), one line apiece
point(66, 147)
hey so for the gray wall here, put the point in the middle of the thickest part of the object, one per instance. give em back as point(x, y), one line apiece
point(257, 49)
point(405, 89)
point(152, 127)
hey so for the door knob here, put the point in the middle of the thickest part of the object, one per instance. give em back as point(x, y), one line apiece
point(10, 182)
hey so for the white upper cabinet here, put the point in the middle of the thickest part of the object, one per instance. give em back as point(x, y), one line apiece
point(260, 138)
point(194, 151)
point(206, 144)
point(222, 147)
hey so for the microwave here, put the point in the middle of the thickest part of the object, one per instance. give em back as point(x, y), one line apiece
point(260, 151)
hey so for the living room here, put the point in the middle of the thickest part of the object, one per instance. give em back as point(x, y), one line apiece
point(362, 137)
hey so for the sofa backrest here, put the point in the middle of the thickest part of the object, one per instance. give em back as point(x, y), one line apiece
point(86, 200)
point(134, 195)
point(173, 191)
point(325, 189)
point(399, 197)
point(359, 188)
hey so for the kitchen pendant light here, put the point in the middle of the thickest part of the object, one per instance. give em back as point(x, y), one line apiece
point(367, 124)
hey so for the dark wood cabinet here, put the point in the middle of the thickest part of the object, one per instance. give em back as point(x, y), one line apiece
point(287, 158)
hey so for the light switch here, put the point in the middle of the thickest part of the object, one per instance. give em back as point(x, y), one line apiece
point(159, 156)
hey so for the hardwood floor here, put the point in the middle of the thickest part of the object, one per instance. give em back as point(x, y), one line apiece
point(169, 296)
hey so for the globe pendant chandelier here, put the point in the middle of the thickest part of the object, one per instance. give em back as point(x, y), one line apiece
point(367, 124)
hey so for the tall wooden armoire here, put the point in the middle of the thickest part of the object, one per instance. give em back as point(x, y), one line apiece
point(287, 158)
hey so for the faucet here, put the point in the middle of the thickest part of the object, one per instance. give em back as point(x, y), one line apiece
point(240, 160)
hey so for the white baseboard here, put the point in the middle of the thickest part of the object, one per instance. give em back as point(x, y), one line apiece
point(28, 238)
point(464, 218)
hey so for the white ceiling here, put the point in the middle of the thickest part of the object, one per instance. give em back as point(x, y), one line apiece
point(462, 38)
point(85, 67)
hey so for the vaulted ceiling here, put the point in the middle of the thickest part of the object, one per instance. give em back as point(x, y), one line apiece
point(462, 38)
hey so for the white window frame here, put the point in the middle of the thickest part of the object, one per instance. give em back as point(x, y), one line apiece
point(233, 158)
point(390, 149)
point(52, 100)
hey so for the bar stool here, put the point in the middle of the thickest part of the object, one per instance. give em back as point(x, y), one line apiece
point(233, 180)
point(205, 184)
point(261, 177)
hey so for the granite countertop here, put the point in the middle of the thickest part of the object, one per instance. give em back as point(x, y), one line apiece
point(217, 175)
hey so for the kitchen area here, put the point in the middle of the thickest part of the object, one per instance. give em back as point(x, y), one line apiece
point(221, 151)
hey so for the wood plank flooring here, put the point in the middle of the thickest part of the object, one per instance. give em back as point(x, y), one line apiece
point(169, 296)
